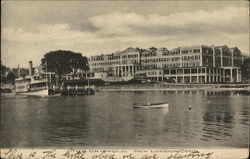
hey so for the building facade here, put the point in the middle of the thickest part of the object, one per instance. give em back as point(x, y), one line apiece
point(193, 64)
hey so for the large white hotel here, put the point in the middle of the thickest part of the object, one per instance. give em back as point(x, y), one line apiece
point(193, 64)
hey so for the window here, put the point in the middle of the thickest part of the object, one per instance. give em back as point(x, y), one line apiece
point(186, 71)
point(196, 50)
point(184, 51)
point(194, 71)
point(203, 70)
point(173, 71)
point(179, 71)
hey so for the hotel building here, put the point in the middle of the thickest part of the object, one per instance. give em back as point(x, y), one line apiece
point(192, 64)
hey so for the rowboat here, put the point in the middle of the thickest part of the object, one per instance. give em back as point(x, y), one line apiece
point(151, 105)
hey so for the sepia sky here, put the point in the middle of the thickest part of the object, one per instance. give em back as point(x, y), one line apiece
point(32, 28)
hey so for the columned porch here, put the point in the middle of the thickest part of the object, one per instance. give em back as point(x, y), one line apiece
point(127, 70)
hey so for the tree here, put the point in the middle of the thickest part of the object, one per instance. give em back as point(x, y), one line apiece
point(15, 71)
point(245, 69)
point(3, 68)
point(62, 62)
point(3, 71)
point(78, 62)
point(153, 49)
point(20, 72)
point(10, 77)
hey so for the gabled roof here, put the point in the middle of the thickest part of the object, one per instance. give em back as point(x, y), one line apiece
point(235, 51)
point(222, 46)
point(234, 48)
point(117, 53)
point(162, 49)
point(175, 49)
point(146, 51)
point(188, 47)
point(130, 49)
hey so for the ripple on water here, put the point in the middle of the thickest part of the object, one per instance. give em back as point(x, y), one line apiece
point(109, 119)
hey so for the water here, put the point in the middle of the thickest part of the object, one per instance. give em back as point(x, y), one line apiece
point(108, 119)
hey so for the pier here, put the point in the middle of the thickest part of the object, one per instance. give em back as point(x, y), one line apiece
point(78, 92)
point(75, 90)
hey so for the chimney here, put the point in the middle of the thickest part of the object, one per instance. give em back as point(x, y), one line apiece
point(30, 68)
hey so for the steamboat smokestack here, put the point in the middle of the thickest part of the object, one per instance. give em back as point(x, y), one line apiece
point(30, 68)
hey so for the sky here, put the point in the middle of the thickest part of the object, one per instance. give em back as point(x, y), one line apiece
point(30, 29)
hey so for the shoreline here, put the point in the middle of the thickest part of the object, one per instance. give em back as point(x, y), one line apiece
point(162, 87)
point(172, 89)
point(177, 87)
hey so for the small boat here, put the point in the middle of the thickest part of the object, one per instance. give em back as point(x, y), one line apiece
point(151, 105)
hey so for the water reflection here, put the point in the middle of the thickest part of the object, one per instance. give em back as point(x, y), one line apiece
point(21, 121)
point(67, 122)
point(109, 119)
